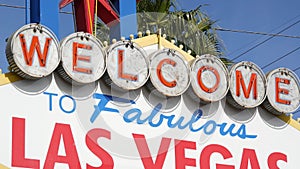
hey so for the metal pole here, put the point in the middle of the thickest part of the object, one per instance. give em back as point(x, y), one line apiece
point(74, 17)
point(27, 11)
point(35, 11)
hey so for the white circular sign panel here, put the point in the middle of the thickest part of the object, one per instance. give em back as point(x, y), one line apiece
point(34, 49)
point(169, 72)
point(127, 65)
point(283, 90)
point(209, 78)
point(247, 84)
point(83, 57)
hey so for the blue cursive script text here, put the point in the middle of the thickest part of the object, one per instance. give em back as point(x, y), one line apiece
point(135, 115)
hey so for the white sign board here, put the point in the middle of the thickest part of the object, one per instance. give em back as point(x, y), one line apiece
point(53, 129)
point(151, 108)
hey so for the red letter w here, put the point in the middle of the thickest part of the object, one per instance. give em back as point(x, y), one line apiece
point(35, 44)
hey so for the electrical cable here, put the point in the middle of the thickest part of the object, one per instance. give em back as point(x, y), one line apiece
point(281, 57)
point(12, 6)
point(227, 30)
point(298, 68)
point(255, 46)
point(257, 33)
point(252, 42)
point(23, 7)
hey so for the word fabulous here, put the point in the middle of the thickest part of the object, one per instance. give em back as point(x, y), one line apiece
point(34, 52)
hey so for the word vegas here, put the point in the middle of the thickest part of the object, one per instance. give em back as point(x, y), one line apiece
point(62, 135)
point(34, 52)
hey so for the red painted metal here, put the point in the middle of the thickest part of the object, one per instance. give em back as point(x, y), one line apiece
point(106, 13)
point(84, 13)
point(64, 3)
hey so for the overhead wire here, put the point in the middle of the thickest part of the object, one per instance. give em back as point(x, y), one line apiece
point(12, 6)
point(244, 46)
point(281, 57)
point(23, 7)
point(298, 68)
point(255, 46)
point(278, 34)
point(257, 33)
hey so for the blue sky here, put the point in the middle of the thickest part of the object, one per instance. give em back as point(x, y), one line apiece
point(266, 16)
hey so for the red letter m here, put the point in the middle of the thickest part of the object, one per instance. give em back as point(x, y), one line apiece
point(240, 82)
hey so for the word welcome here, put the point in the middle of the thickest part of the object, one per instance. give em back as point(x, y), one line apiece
point(34, 52)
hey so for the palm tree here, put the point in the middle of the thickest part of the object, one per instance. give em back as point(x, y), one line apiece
point(160, 6)
point(102, 30)
point(155, 14)
point(194, 29)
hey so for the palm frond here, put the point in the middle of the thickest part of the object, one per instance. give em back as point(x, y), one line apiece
point(194, 28)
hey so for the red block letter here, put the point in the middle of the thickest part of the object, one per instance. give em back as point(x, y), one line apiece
point(208, 151)
point(18, 146)
point(120, 69)
point(77, 57)
point(281, 90)
point(71, 157)
point(161, 77)
point(91, 142)
point(203, 87)
point(181, 161)
point(249, 155)
point(252, 83)
point(274, 158)
point(35, 44)
point(145, 154)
